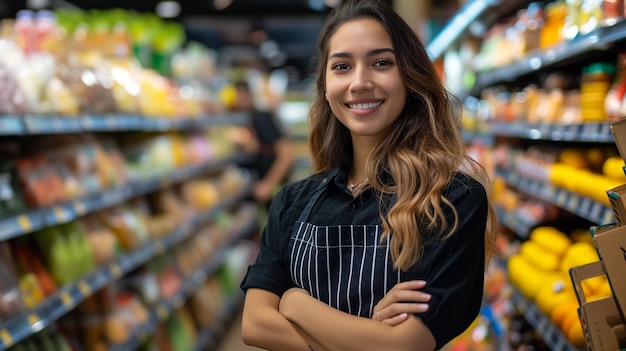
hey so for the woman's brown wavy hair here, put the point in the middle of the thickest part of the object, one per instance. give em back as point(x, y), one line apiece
point(423, 149)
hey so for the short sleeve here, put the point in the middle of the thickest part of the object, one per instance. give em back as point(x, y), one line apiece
point(454, 267)
point(270, 272)
point(266, 128)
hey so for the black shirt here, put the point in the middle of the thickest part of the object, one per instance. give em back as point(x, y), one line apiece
point(453, 268)
point(267, 133)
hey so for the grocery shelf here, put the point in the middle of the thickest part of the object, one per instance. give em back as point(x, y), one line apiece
point(11, 125)
point(550, 333)
point(579, 205)
point(483, 138)
point(161, 311)
point(598, 40)
point(510, 220)
point(209, 338)
point(69, 296)
point(457, 25)
point(473, 11)
point(52, 124)
point(35, 219)
point(585, 132)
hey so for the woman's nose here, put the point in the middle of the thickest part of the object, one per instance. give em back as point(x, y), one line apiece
point(361, 80)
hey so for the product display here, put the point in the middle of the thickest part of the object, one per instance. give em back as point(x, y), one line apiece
point(123, 219)
point(542, 87)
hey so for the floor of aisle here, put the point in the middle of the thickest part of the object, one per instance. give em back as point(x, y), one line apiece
point(232, 339)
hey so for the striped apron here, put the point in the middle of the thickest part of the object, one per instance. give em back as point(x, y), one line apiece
point(344, 266)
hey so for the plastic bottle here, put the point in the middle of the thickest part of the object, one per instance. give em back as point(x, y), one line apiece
point(25, 30)
point(45, 27)
point(595, 84)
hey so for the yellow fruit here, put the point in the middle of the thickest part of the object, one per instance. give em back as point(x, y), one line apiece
point(571, 318)
point(578, 254)
point(526, 277)
point(553, 293)
point(543, 260)
point(551, 239)
point(613, 168)
point(560, 174)
point(575, 334)
point(559, 312)
point(603, 289)
point(573, 157)
point(596, 157)
point(228, 95)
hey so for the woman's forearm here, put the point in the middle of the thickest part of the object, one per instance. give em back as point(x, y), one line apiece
point(337, 330)
point(264, 327)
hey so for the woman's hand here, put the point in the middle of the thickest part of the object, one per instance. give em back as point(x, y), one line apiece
point(403, 299)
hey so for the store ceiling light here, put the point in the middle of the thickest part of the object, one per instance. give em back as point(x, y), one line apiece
point(37, 4)
point(221, 4)
point(168, 9)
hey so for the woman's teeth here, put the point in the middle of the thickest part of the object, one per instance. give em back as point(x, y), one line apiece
point(365, 106)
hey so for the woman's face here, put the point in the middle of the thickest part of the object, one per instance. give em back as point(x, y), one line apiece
point(363, 85)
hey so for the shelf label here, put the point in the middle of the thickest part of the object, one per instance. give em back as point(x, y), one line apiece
point(25, 223)
point(585, 206)
point(61, 214)
point(84, 288)
point(80, 207)
point(596, 210)
point(561, 198)
point(67, 300)
point(574, 203)
point(6, 338)
point(10, 125)
point(34, 321)
point(608, 216)
point(116, 271)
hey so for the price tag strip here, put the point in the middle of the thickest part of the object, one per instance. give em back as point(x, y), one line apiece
point(19, 225)
point(11, 125)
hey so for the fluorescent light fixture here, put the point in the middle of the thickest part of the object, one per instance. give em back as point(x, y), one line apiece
point(168, 9)
point(37, 4)
point(221, 4)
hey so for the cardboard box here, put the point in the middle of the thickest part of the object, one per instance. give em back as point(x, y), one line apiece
point(600, 319)
point(618, 129)
point(611, 245)
point(617, 199)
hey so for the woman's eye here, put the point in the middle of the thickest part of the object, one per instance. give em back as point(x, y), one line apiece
point(340, 66)
point(382, 62)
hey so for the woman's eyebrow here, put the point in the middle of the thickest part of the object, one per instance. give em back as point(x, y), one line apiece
point(369, 53)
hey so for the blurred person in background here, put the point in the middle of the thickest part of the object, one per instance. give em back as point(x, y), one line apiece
point(272, 152)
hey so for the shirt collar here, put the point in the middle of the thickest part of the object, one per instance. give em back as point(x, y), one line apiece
point(340, 177)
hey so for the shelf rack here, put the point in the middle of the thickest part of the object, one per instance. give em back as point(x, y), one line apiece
point(54, 124)
point(550, 334)
point(34, 219)
point(69, 296)
point(165, 307)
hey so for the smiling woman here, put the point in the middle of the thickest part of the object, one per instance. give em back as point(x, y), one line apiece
point(397, 264)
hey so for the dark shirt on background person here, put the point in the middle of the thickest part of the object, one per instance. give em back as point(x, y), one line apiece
point(272, 151)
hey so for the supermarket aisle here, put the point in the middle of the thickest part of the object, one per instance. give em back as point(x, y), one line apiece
point(232, 339)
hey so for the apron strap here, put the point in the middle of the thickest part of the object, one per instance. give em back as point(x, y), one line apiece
point(304, 215)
